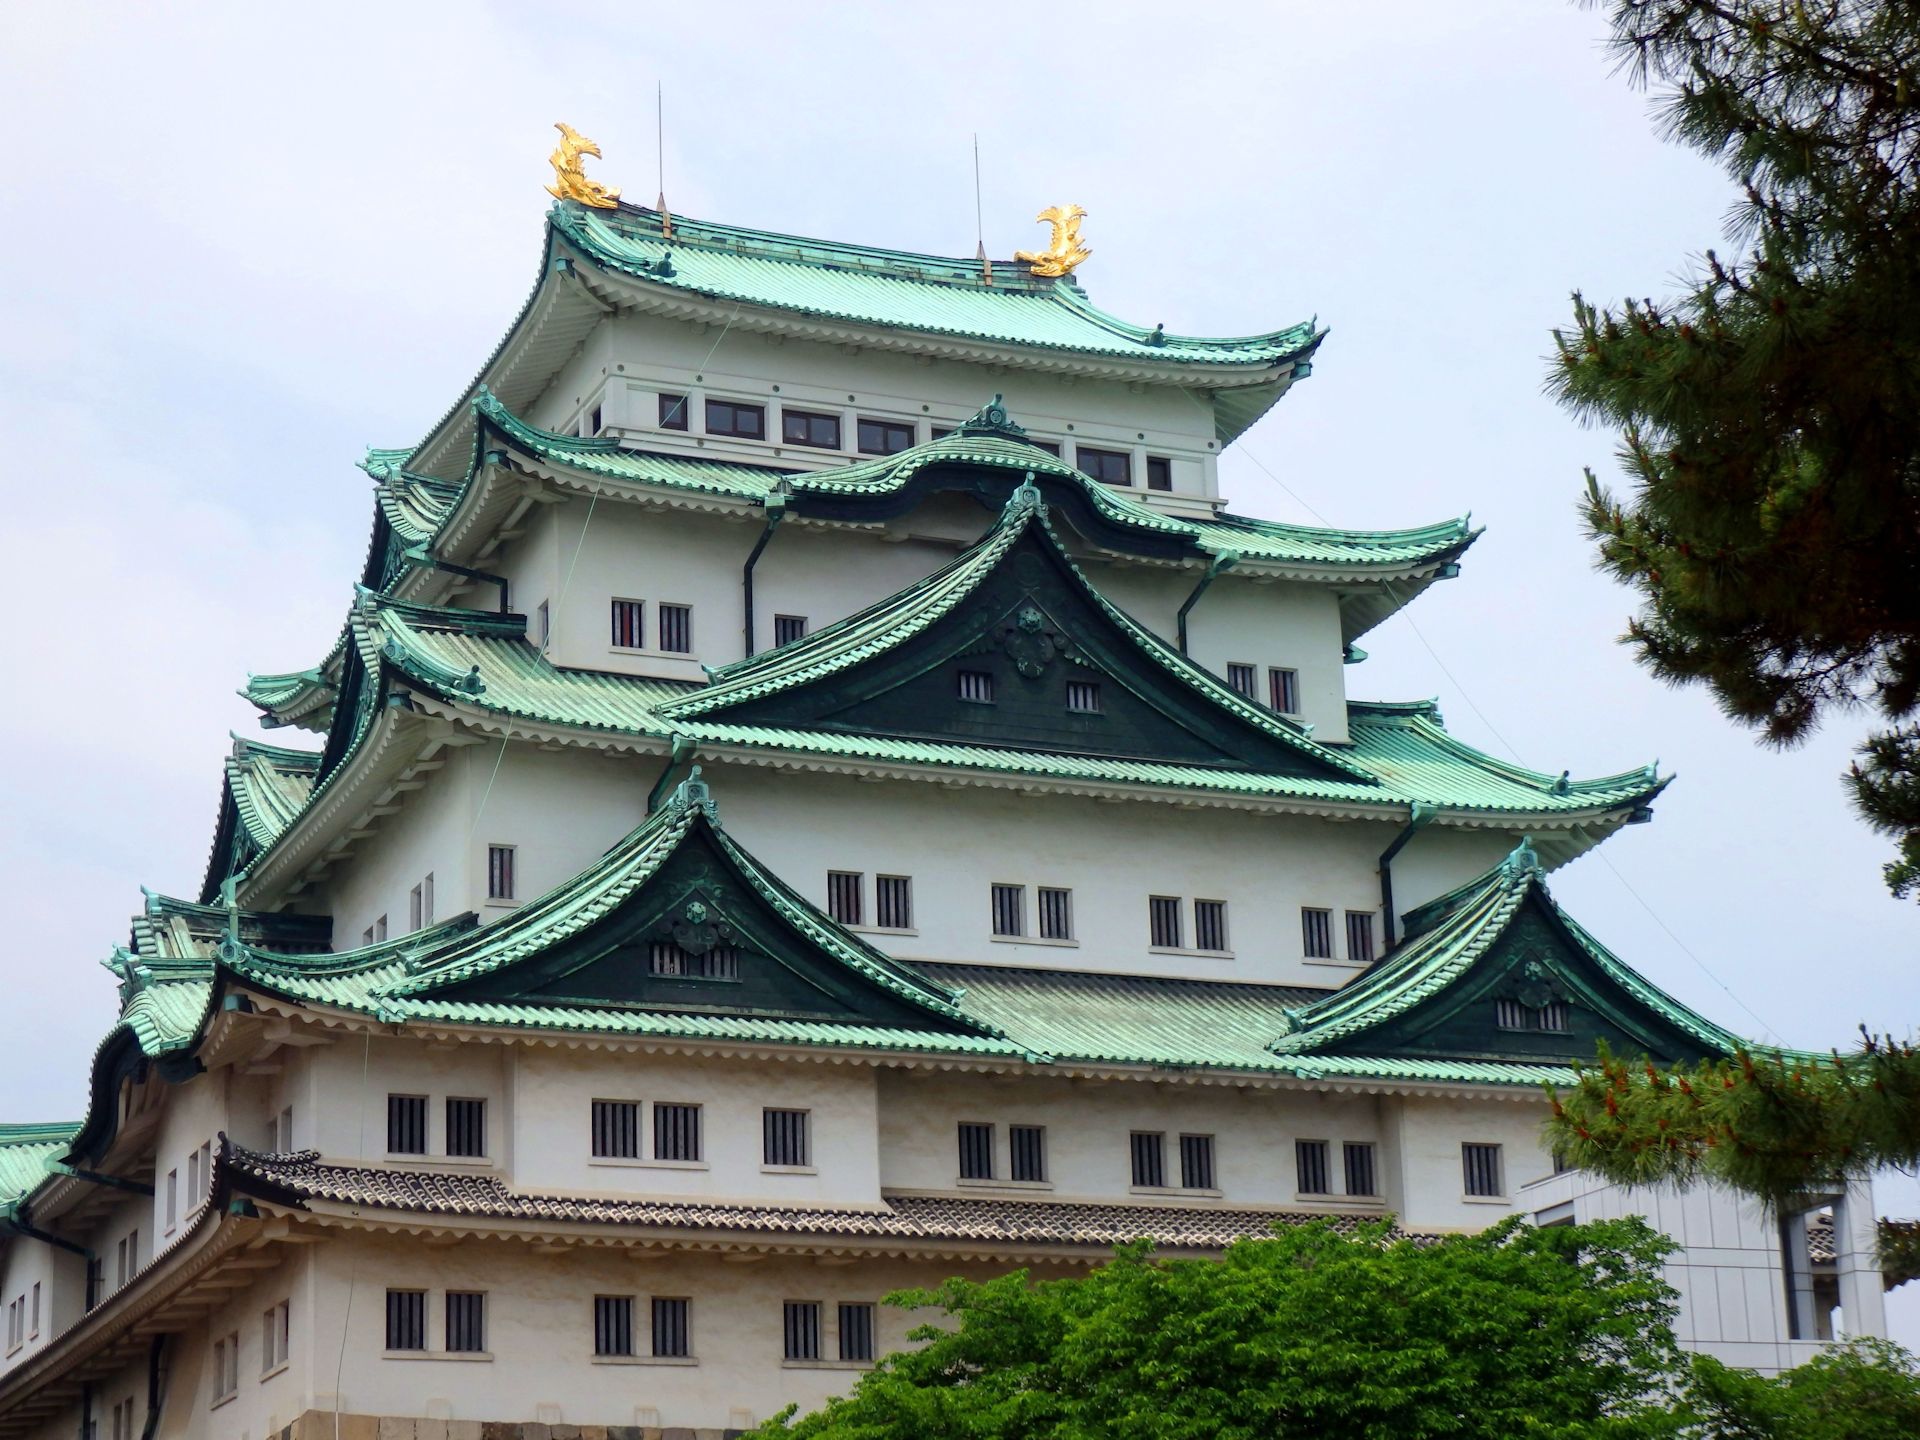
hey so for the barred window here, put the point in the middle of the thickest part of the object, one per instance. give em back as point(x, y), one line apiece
point(1159, 472)
point(976, 1151)
point(1149, 1149)
point(1245, 679)
point(1196, 1162)
point(800, 1325)
point(1052, 447)
point(1480, 1165)
point(784, 1137)
point(1554, 1016)
point(1109, 467)
point(893, 902)
point(1083, 697)
point(1361, 1178)
point(275, 1327)
point(672, 1327)
point(976, 686)
point(630, 624)
point(1509, 1015)
point(1316, 933)
point(844, 889)
point(406, 1319)
point(1283, 690)
point(884, 437)
point(616, 1129)
point(673, 412)
point(1310, 1159)
point(613, 1324)
point(466, 1127)
point(466, 1322)
point(744, 422)
point(1010, 910)
point(1056, 913)
point(676, 628)
point(226, 1365)
point(1360, 936)
point(789, 628)
point(1210, 925)
point(1163, 921)
point(1027, 1150)
point(807, 427)
point(676, 1132)
point(856, 1331)
point(500, 872)
point(406, 1126)
point(668, 957)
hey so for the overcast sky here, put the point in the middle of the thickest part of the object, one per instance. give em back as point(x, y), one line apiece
point(245, 242)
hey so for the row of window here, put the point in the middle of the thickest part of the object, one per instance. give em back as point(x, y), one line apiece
point(976, 687)
point(618, 1130)
point(1283, 685)
point(275, 1347)
point(873, 435)
point(617, 1333)
point(23, 1318)
point(419, 913)
point(673, 626)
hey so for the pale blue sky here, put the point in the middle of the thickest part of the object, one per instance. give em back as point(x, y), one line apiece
point(245, 242)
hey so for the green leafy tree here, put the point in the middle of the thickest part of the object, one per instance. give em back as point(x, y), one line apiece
point(1863, 1390)
point(1770, 415)
point(1560, 1333)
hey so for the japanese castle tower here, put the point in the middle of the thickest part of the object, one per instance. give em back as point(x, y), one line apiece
point(813, 793)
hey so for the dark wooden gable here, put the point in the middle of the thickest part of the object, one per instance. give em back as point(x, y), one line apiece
point(735, 953)
point(1534, 965)
point(1030, 628)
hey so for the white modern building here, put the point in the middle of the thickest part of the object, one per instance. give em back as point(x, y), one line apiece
point(815, 794)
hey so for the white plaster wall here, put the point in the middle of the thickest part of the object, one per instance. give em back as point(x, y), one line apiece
point(1425, 1134)
point(263, 1402)
point(554, 1091)
point(352, 1077)
point(426, 836)
point(193, 1114)
point(61, 1276)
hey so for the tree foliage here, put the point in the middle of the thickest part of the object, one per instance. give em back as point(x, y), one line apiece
point(1772, 1126)
point(1557, 1334)
point(1770, 415)
point(1863, 1390)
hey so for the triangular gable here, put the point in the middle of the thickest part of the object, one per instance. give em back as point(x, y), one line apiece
point(679, 918)
point(990, 650)
point(1495, 970)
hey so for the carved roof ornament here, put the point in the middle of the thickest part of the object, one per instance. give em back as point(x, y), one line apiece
point(993, 419)
point(570, 181)
point(1064, 250)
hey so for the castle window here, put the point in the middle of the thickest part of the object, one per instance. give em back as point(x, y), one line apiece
point(976, 687)
point(800, 1326)
point(630, 624)
point(676, 629)
point(173, 1199)
point(1480, 1167)
point(1310, 1165)
point(500, 872)
point(673, 412)
point(1027, 1150)
point(616, 1129)
point(1361, 1177)
point(1010, 910)
point(123, 1419)
point(743, 422)
point(1244, 679)
point(672, 1328)
point(613, 1325)
point(226, 1367)
point(406, 1319)
point(676, 1132)
point(1052, 447)
point(893, 902)
point(467, 1322)
point(1163, 922)
point(785, 1138)
point(1196, 1162)
point(1109, 467)
point(844, 888)
point(1210, 925)
point(127, 1258)
point(1149, 1155)
point(33, 1328)
point(1083, 697)
point(420, 903)
point(1511, 1015)
point(805, 427)
point(1360, 936)
point(376, 933)
point(1553, 1016)
point(940, 432)
point(466, 1127)
point(667, 957)
point(274, 1334)
point(16, 1324)
point(590, 426)
point(976, 1151)
point(1316, 933)
point(1159, 473)
point(856, 1332)
point(281, 1138)
point(1056, 913)
point(543, 624)
point(1283, 690)
point(789, 628)
point(884, 437)
point(406, 1124)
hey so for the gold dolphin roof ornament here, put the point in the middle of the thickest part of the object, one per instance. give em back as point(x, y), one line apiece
point(1064, 250)
point(570, 182)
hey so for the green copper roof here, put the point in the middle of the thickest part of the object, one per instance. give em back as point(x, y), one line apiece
point(850, 490)
point(895, 290)
point(270, 785)
point(27, 1156)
